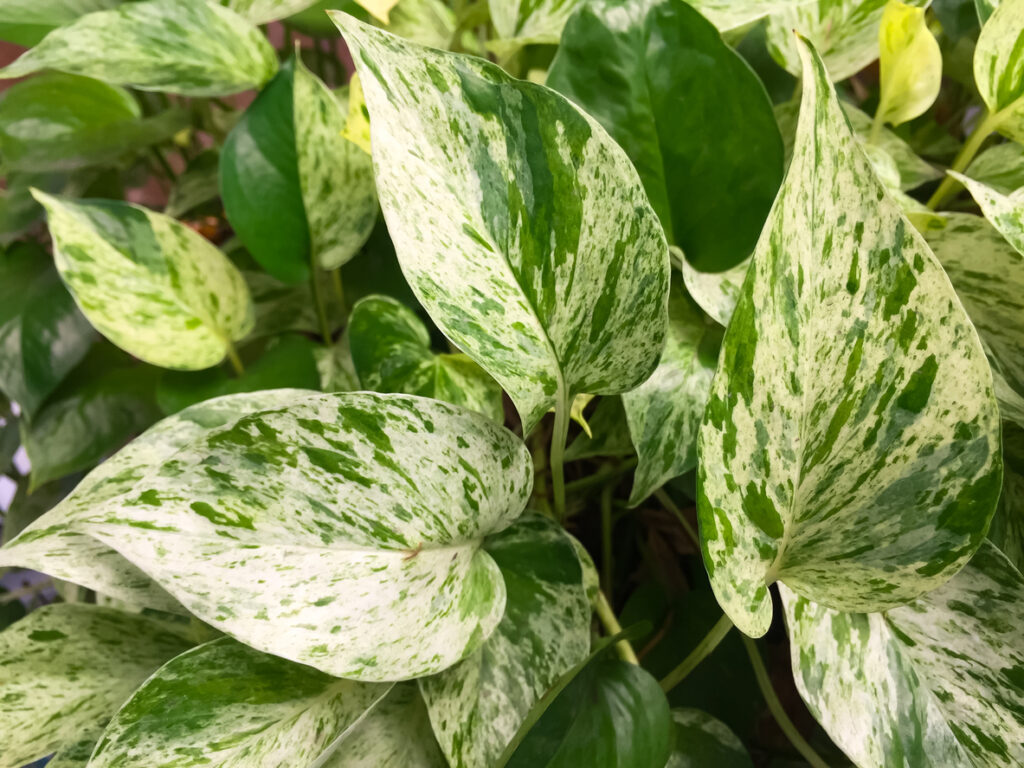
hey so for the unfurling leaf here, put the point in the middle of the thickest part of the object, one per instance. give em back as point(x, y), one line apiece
point(850, 448)
point(910, 63)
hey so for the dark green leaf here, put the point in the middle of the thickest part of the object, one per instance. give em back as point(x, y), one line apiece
point(702, 742)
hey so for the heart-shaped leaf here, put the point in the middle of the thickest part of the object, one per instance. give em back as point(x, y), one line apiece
point(703, 741)
point(864, 500)
point(527, 235)
point(716, 292)
point(999, 68)
point(151, 285)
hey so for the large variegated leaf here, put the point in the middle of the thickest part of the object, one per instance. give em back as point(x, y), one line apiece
point(527, 235)
point(477, 706)
point(664, 412)
point(227, 706)
point(66, 670)
point(703, 741)
point(936, 682)
point(56, 545)
point(191, 47)
point(390, 350)
point(999, 68)
point(264, 11)
point(1007, 531)
point(850, 444)
point(151, 285)
point(269, 527)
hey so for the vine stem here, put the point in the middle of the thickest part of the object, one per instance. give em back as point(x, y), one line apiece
point(321, 309)
point(671, 506)
point(698, 654)
point(775, 707)
point(557, 457)
point(963, 159)
point(236, 361)
point(611, 624)
point(606, 536)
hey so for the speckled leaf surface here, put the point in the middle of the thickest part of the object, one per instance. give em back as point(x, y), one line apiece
point(263, 11)
point(716, 292)
point(527, 236)
point(999, 67)
point(477, 706)
point(225, 705)
point(664, 413)
point(65, 669)
point(864, 500)
point(703, 741)
point(151, 285)
point(55, 543)
point(1005, 212)
point(190, 47)
point(341, 531)
point(1007, 531)
point(391, 352)
point(733, 14)
point(530, 21)
point(1000, 167)
point(935, 682)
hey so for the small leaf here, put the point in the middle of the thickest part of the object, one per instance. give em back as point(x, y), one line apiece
point(196, 186)
point(703, 741)
point(517, 24)
point(357, 125)
point(866, 499)
point(189, 47)
point(728, 15)
point(1000, 167)
point(227, 706)
point(998, 63)
point(151, 285)
point(985, 9)
point(280, 307)
point(67, 668)
point(379, 9)
point(716, 292)
point(910, 64)
point(610, 433)
point(336, 369)
point(556, 285)
point(937, 682)
point(264, 11)
point(390, 350)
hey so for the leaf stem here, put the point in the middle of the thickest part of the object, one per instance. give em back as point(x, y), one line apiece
point(967, 152)
point(698, 654)
point(321, 309)
point(671, 506)
point(557, 457)
point(339, 291)
point(236, 361)
point(606, 537)
point(607, 472)
point(611, 624)
point(775, 707)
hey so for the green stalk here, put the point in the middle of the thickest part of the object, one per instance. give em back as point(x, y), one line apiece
point(557, 458)
point(698, 654)
point(666, 501)
point(321, 309)
point(606, 537)
point(967, 152)
point(339, 291)
point(236, 361)
point(612, 627)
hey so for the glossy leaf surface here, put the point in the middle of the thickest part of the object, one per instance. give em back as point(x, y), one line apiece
point(999, 67)
point(702, 740)
point(910, 64)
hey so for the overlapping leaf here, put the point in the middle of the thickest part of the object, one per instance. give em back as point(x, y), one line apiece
point(1007, 531)
point(703, 741)
point(264, 11)
point(26, 22)
point(527, 235)
point(716, 292)
point(910, 64)
point(850, 445)
point(1000, 167)
point(519, 23)
point(999, 68)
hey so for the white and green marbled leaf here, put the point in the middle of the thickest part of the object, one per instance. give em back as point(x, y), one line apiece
point(865, 499)
point(65, 669)
point(1000, 167)
point(190, 47)
point(522, 22)
point(728, 15)
point(527, 236)
point(937, 682)
point(716, 292)
point(265, 11)
point(703, 741)
point(151, 285)
point(999, 68)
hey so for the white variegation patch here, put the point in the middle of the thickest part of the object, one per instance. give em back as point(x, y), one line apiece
point(864, 499)
point(734, 14)
point(1000, 167)
point(716, 292)
point(264, 11)
point(937, 682)
point(518, 22)
point(999, 68)
point(521, 226)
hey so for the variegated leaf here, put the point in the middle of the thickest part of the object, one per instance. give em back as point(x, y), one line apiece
point(844, 32)
point(74, 756)
point(910, 64)
point(937, 682)
point(477, 706)
point(56, 545)
point(190, 47)
point(866, 499)
point(1000, 167)
point(268, 528)
point(519, 23)
point(264, 11)
point(527, 235)
point(716, 292)
point(1007, 531)
point(391, 352)
point(703, 741)
point(224, 705)
point(1005, 212)
point(664, 412)
point(151, 285)
point(999, 68)
point(67, 668)
point(985, 9)
point(735, 14)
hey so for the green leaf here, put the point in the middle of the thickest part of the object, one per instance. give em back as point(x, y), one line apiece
point(67, 668)
point(690, 113)
point(716, 292)
point(196, 186)
point(1007, 531)
point(334, 364)
point(910, 64)
point(555, 284)
point(609, 433)
point(286, 155)
point(477, 705)
point(850, 445)
point(985, 9)
point(263, 11)
point(223, 704)
point(518, 24)
point(844, 32)
point(664, 412)
point(151, 285)
point(390, 350)
point(734, 14)
point(1000, 167)
point(26, 22)
point(42, 333)
point(280, 307)
point(937, 682)
point(999, 68)
point(189, 47)
point(703, 741)
point(58, 122)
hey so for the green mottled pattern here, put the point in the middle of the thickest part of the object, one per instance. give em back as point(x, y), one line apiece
point(703, 741)
point(74, 756)
point(477, 706)
point(341, 531)
point(224, 705)
point(396, 733)
point(716, 292)
point(999, 66)
point(55, 544)
point(1005, 212)
point(65, 669)
point(334, 364)
point(390, 349)
point(520, 225)
point(189, 47)
point(733, 14)
point(151, 285)
point(938, 682)
point(335, 175)
point(50, 13)
point(530, 21)
point(1007, 531)
point(844, 32)
point(664, 412)
point(1000, 167)
point(860, 500)
point(263, 11)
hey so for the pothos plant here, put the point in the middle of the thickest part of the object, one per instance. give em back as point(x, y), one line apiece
point(706, 327)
